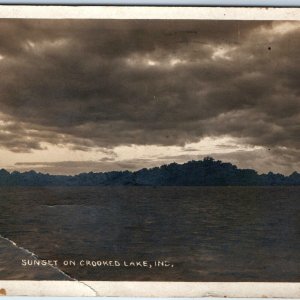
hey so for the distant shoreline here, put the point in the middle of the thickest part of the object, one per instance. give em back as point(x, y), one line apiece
point(206, 172)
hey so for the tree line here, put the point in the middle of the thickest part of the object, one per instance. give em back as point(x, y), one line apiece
point(206, 172)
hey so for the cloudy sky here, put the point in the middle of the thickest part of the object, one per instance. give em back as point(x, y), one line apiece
point(97, 95)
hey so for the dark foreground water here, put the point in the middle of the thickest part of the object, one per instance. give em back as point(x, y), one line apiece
point(199, 233)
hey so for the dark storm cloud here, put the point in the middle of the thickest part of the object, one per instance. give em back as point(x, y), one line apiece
point(106, 83)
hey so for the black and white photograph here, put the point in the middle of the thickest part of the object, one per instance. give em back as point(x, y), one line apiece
point(149, 150)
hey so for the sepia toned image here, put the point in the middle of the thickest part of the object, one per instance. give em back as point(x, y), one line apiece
point(149, 150)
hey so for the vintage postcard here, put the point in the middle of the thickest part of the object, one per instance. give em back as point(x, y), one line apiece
point(149, 151)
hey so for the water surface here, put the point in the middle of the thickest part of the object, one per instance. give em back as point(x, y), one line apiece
point(207, 233)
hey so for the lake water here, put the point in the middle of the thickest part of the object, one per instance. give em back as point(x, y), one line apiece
point(202, 233)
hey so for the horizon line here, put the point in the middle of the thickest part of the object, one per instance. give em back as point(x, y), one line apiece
point(207, 158)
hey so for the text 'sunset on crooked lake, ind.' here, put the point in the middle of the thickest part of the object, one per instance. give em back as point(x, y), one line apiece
point(97, 263)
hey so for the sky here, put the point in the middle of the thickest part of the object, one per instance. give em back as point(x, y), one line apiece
point(100, 95)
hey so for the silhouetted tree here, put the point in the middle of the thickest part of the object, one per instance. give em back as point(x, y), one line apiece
point(206, 172)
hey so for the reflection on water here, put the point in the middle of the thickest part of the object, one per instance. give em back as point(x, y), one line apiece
point(209, 233)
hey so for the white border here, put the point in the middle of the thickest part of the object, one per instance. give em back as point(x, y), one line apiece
point(150, 289)
point(238, 3)
point(137, 12)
